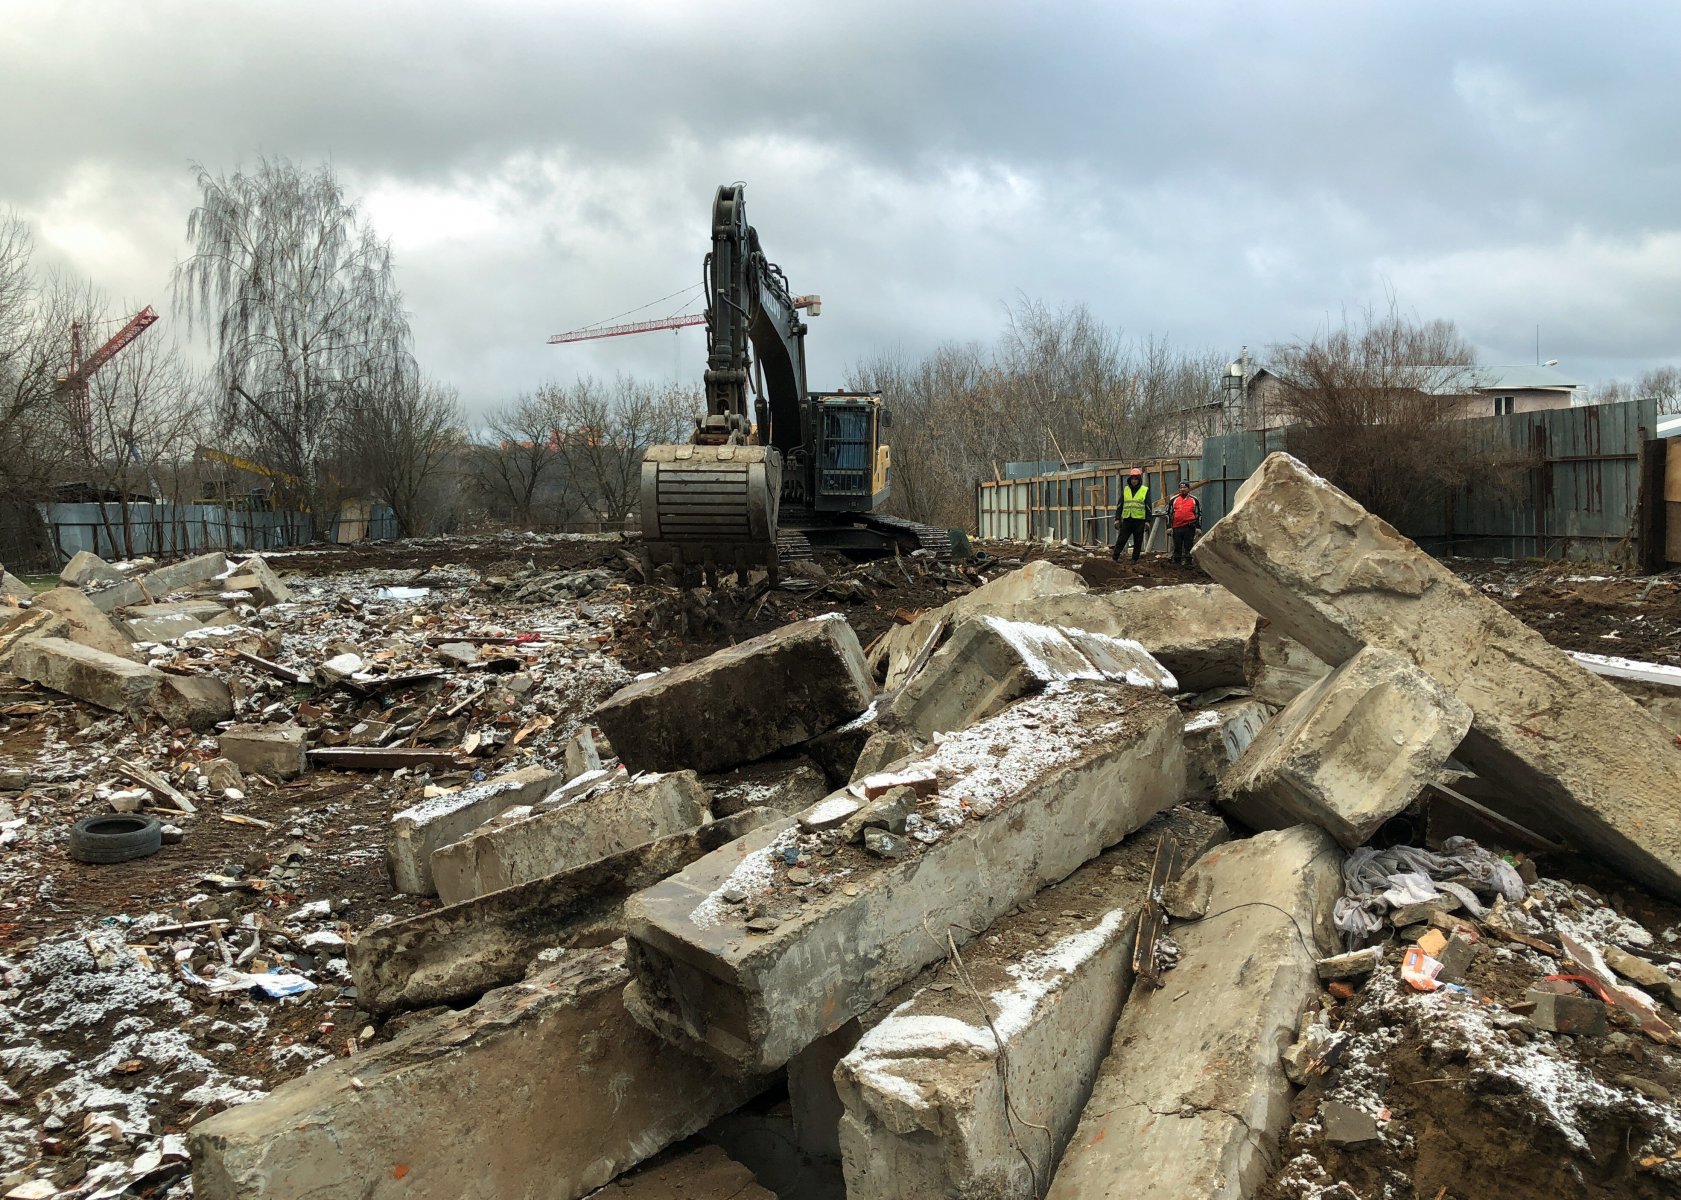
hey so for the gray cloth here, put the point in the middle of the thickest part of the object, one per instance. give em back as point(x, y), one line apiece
point(1376, 882)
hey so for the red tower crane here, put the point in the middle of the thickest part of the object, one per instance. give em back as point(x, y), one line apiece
point(75, 380)
point(814, 303)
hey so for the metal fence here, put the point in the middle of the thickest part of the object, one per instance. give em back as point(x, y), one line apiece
point(114, 530)
point(1581, 498)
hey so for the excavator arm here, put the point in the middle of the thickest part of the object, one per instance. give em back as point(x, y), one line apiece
point(749, 304)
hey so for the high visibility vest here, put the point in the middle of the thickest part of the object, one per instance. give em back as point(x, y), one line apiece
point(1135, 506)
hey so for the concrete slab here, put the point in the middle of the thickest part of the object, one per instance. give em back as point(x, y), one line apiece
point(156, 583)
point(542, 1091)
point(594, 826)
point(1197, 631)
point(745, 702)
point(158, 627)
point(703, 1173)
point(27, 624)
point(416, 832)
point(785, 785)
point(990, 661)
point(121, 684)
point(1215, 737)
point(276, 751)
point(749, 964)
point(1192, 1098)
point(1349, 752)
point(1334, 578)
point(255, 576)
point(205, 612)
point(925, 1110)
point(12, 588)
point(1277, 668)
point(85, 568)
point(902, 644)
point(461, 951)
point(88, 624)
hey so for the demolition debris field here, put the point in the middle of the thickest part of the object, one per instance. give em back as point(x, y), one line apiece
point(497, 649)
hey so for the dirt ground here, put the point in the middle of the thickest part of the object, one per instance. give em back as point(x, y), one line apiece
point(104, 1049)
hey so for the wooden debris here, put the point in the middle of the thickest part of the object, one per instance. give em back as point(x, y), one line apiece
point(147, 777)
point(380, 758)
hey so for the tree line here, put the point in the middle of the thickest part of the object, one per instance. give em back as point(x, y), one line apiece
point(297, 361)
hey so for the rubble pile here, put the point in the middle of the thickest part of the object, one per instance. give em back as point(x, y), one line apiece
point(1327, 878)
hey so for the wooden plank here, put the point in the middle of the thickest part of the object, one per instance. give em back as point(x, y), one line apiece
point(379, 758)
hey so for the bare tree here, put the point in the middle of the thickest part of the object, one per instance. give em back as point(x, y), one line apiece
point(1379, 409)
point(401, 439)
point(1662, 384)
point(516, 465)
point(147, 412)
point(603, 430)
point(295, 294)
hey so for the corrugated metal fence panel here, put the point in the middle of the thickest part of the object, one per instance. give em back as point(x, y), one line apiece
point(1578, 500)
point(115, 531)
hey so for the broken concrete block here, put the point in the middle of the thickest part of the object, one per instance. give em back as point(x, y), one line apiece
point(1346, 1125)
point(156, 583)
point(418, 831)
point(903, 644)
point(273, 750)
point(990, 661)
point(787, 786)
point(703, 1173)
point(254, 576)
point(1277, 668)
point(1215, 737)
point(163, 624)
point(1023, 799)
point(121, 684)
point(1356, 964)
point(461, 951)
point(579, 1093)
point(86, 568)
point(29, 623)
point(1334, 578)
point(1349, 752)
point(1577, 1015)
point(198, 702)
point(88, 625)
point(592, 827)
point(581, 754)
point(743, 703)
point(13, 589)
point(1198, 631)
point(925, 1107)
point(1193, 1096)
point(882, 750)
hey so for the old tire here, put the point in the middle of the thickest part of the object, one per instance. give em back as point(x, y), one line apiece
point(114, 838)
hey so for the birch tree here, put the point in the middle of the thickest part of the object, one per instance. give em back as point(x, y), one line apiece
point(295, 295)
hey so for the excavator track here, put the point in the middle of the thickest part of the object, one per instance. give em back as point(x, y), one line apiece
point(911, 535)
point(791, 545)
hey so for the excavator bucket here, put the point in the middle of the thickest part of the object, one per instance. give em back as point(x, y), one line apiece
point(710, 508)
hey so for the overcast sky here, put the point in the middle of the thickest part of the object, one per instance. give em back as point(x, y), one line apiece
point(1219, 174)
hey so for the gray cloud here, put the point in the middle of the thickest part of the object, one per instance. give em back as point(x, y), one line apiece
point(1222, 174)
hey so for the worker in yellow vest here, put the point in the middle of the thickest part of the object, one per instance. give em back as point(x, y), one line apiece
point(1132, 515)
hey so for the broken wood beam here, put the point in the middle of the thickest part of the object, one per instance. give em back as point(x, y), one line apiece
point(379, 758)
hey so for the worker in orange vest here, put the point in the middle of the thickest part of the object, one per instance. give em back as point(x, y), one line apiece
point(1184, 520)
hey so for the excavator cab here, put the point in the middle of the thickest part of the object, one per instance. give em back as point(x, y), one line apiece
point(852, 463)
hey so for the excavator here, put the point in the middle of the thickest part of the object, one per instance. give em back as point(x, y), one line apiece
point(772, 471)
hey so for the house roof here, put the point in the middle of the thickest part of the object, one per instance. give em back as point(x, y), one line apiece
point(1518, 378)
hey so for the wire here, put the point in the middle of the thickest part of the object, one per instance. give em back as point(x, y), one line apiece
point(640, 307)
